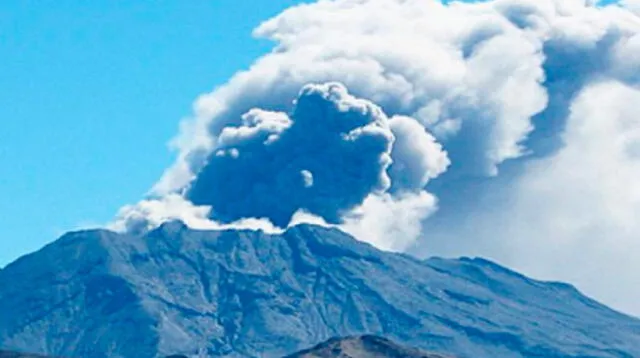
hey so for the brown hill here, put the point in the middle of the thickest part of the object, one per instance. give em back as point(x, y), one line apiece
point(363, 347)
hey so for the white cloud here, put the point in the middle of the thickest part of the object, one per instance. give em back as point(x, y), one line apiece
point(417, 156)
point(150, 213)
point(390, 222)
point(575, 215)
point(572, 216)
point(633, 5)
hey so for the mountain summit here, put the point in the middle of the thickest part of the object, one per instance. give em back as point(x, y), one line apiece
point(175, 290)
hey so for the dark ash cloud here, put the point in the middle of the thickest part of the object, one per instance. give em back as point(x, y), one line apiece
point(325, 158)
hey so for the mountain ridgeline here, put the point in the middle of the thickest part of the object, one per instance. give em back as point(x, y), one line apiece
point(230, 293)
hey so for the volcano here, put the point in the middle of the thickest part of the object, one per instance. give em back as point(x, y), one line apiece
point(243, 293)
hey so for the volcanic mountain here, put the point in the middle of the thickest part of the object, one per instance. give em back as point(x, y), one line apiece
point(175, 290)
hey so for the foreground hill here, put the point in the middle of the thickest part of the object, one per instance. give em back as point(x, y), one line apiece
point(348, 347)
point(362, 347)
point(247, 294)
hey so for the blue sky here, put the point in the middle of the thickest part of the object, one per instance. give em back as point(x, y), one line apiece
point(90, 93)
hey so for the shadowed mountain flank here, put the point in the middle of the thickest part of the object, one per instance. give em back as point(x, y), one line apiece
point(233, 293)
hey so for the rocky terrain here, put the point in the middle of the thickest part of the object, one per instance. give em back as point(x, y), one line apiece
point(363, 347)
point(232, 293)
point(348, 347)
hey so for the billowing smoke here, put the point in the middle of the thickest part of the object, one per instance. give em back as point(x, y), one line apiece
point(333, 160)
point(503, 128)
point(326, 158)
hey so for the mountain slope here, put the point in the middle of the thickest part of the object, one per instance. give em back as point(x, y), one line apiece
point(362, 347)
point(244, 293)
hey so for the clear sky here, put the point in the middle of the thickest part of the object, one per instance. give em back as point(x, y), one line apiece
point(90, 94)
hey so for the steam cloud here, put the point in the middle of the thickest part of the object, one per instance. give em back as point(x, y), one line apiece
point(504, 129)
